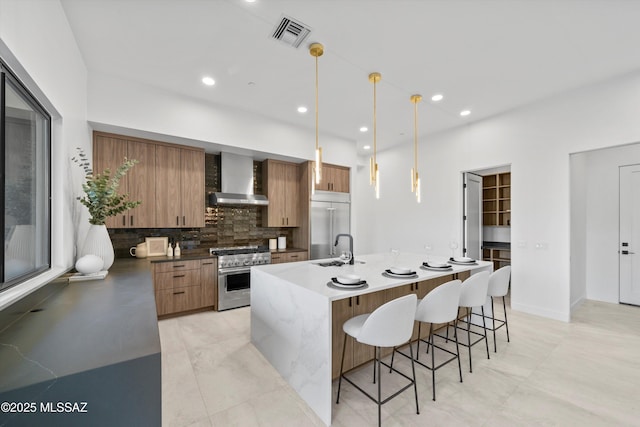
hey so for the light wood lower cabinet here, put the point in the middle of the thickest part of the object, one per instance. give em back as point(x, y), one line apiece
point(278, 258)
point(182, 286)
point(342, 310)
point(209, 282)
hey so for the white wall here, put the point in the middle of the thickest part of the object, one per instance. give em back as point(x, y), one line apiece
point(125, 104)
point(37, 43)
point(537, 141)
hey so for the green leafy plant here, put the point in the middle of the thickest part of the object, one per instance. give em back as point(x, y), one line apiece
point(101, 190)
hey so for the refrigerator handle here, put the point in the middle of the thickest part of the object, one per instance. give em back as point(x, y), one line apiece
point(331, 220)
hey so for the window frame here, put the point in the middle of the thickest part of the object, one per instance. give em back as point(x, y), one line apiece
point(16, 84)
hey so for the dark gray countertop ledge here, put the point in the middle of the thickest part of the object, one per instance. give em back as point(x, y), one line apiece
point(81, 326)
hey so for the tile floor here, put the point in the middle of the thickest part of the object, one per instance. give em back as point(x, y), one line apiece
point(583, 373)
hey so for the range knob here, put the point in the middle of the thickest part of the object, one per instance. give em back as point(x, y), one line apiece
point(247, 262)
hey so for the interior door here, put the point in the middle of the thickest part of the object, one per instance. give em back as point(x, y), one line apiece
point(472, 215)
point(629, 250)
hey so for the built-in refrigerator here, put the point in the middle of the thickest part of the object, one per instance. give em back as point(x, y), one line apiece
point(330, 216)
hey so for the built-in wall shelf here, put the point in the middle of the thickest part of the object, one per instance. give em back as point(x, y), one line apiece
point(496, 199)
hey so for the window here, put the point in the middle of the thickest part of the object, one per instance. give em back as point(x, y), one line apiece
point(25, 140)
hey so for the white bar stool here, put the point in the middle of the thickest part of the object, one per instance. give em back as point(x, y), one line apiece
point(438, 306)
point(499, 287)
point(390, 325)
point(474, 294)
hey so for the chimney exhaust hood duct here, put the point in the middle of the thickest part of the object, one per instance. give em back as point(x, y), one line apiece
point(236, 176)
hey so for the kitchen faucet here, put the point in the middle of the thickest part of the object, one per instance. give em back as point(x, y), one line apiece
point(352, 261)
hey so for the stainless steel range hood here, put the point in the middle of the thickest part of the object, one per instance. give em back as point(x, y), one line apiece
point(236, 176)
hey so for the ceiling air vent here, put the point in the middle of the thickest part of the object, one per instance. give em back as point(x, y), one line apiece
point(290, 31)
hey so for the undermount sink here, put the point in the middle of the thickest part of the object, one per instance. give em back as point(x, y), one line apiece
point(331, 264)
point(336, 263)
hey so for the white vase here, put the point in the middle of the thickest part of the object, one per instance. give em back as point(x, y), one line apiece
point(98, 243)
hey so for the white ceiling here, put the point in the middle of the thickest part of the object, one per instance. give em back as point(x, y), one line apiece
point(489, 56)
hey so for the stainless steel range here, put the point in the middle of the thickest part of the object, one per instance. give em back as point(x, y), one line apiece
point(234, 273)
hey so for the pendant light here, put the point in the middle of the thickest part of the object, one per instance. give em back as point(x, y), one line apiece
point(316, 50)
point(374, 172)
point(415, 178)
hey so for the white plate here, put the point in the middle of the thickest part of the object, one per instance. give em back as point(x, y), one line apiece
point(463, 259)
point(400, 270)
point(349, 279)
point(424, 267)
point(338, 285)
point(401, 276)
point(436, 264)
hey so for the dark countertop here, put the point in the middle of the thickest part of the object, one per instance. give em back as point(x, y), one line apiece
point(91, 346)
point(185, 257)
point(81, 326)
point(497, 245)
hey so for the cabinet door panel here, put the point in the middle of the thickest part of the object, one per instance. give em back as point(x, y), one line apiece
point(177, 279)
point(341, 180)
point(292, 190)
point(282, 188)
point(192, 193)
point(142, 184)
point(209, 283)
point(169, 301)
point(168, 198)
point(109, 153)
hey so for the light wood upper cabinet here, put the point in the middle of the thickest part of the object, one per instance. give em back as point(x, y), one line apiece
point(139, 182)
point(282, 187)
point(180, 172)
point(192, 187)
point(168, 180)
point(334, 178)
point(169, 202)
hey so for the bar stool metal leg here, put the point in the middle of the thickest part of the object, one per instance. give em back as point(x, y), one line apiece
point(484, 329)
point(506, 324)
point(344, 347)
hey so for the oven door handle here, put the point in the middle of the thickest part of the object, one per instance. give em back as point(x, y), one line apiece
point(243, 269)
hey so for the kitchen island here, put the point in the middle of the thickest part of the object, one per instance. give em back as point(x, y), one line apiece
point(296, 319)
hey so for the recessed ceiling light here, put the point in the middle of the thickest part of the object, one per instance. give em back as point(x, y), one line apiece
point(437, 97)
point(208, 81)
point(302, 109)
point(250, 1)
point(364, 129)
point(367, 147)
point(465, 113)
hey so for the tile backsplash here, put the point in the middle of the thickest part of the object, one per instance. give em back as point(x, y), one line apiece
point(224, 225)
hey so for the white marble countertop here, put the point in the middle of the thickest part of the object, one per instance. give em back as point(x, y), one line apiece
point(313, 277)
